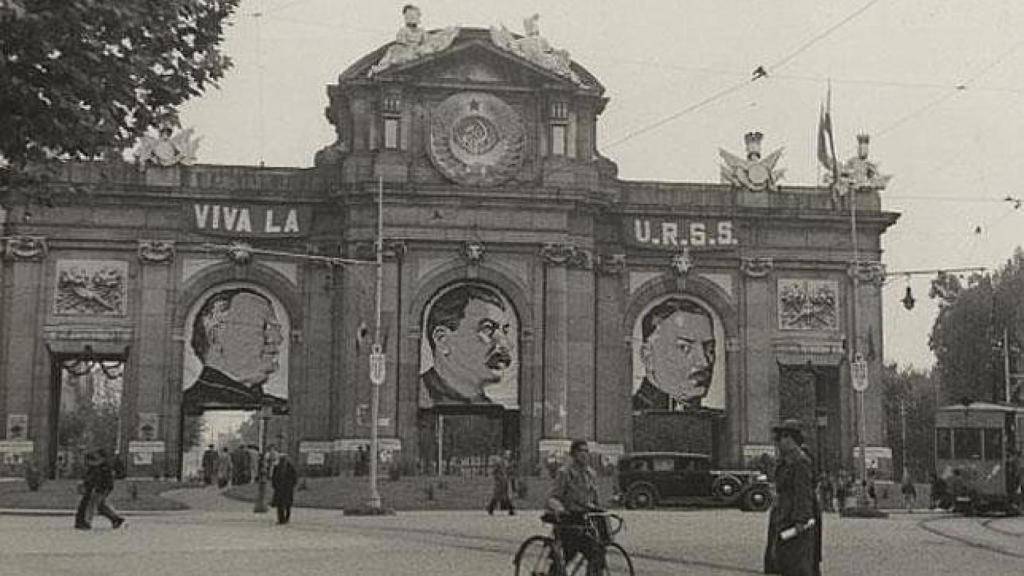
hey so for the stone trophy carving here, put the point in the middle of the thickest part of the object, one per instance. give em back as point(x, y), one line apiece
point(858, 173)
point(413, 42)
point(808, 304)
point(755, 173)
point(168, 149)
point(534, 48)
point(91, 288)
point(476, 139)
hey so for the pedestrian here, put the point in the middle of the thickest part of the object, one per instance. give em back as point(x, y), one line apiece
point(283, 482)
point(99, 483)
point(827, 492)
point(501, 493)
point(224, 466)
point(210, 459)
point(909, 491)
point(842, 489)
point(790, 549)
point(938, 492)
point(254, 462)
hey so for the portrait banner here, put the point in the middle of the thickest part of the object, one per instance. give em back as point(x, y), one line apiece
point(469, 352)
point(236, 351)
point(676, 340)
point(149, 426)
point(17, 426)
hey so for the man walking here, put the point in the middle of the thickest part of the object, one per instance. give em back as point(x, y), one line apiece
point(210, 459)
point(283, 481)
point(99, 483)
point(504, 476)
point(792, 530)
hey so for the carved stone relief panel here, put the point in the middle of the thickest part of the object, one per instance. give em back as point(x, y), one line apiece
point(91, 288)
point(808, 304)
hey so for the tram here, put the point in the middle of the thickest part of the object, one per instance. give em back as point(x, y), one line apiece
point(978, 453)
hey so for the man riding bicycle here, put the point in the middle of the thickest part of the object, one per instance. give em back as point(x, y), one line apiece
point(572, 496)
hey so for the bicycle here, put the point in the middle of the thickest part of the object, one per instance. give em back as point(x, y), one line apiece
point(542, 555)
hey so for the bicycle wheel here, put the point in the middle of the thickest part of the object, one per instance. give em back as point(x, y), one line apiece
point(616, 561)
point(537, 556)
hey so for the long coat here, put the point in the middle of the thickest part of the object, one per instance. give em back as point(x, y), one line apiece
point(283, 481)
point(794, 506)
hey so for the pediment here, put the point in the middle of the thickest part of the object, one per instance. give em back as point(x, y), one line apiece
point(472, 58)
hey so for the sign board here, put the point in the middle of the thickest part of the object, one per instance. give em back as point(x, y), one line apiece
point(353, 444)
point(142, 458)
point(315, 458)
point(859, 374)
point(377, 366)
point(316, 446)
point(137, 447)
point(247, 220)
point(672, 233)
point(17, 446)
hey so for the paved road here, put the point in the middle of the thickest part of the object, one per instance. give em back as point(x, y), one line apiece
point(224, 537)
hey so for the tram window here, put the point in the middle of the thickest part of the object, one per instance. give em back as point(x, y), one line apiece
point(943, 443)
point(966, 443)
point(993, 444)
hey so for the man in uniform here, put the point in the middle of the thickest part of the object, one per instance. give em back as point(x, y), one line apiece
point(572, 496)
point(791, 543)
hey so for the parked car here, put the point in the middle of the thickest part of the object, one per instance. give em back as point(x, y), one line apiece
point(649, 479)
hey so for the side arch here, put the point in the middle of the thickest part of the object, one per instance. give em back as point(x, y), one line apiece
point(696, 286)
point(254, 273)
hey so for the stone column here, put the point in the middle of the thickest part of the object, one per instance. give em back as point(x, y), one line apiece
point(613, 399)
point(761, 385)
point(556, 349)
point(145, 392)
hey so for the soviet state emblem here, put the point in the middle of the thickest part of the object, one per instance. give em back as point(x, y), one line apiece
point(476, 139)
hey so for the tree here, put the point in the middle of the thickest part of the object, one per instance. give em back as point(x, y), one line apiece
point(908, 399)
point(81, 77)
point(975, 317)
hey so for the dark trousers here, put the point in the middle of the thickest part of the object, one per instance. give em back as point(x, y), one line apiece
point(82, 518)
point(284, 513)
point(795, 557)
point(502, 503)
point(104, 509)
point(575, 540)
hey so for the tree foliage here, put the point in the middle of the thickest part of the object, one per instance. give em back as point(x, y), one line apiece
point(80, 77)
point(968, 334)
point(908, 400)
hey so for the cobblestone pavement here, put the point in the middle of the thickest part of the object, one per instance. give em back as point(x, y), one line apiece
point(225, 537)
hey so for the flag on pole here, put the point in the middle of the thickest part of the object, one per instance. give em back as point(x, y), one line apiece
point(826, 141)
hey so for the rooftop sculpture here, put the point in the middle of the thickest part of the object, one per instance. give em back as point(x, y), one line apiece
point(534, 48)
point(167, 149)
point(413, 42)
point(755, 173)
point(858, 173)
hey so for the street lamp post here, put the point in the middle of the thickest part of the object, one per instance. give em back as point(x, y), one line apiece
point(378, 362)
point(261, 473)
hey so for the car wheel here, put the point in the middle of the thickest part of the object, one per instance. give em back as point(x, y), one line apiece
point(641, 496)
point(757, 499)
point(726, 487)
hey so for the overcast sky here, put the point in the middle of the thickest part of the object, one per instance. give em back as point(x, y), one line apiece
point(936, 83)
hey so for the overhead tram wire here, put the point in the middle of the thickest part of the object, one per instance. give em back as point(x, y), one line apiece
point(959, 88)
point(759, 73)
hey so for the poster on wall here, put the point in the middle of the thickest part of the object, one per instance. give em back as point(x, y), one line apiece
point(148, 426)
point(236, 351)
point(469, 352)
point(17, 426)
point(675, 343)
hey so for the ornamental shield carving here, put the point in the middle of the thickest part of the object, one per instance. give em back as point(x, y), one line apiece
point(476, 139)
